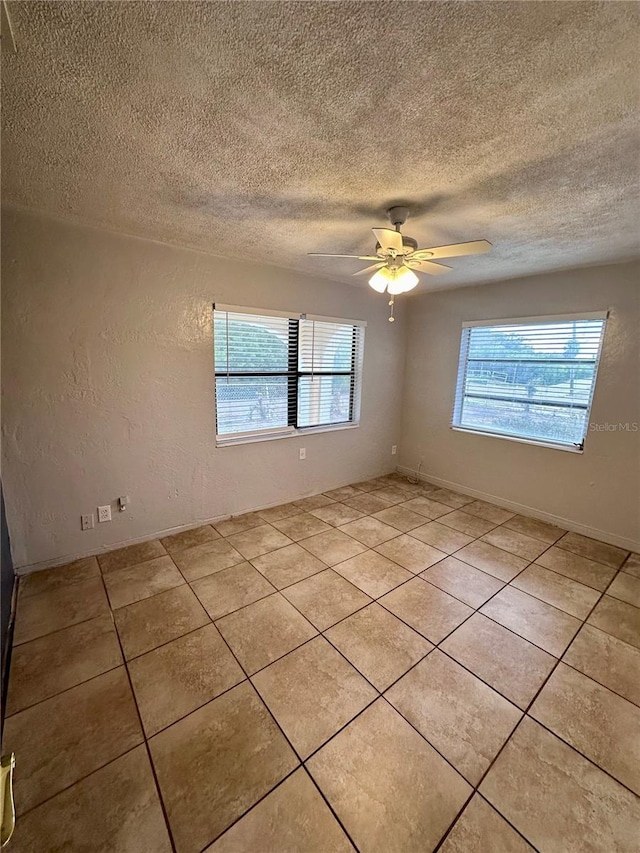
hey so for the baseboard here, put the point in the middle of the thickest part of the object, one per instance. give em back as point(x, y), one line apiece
point(20, 571)
point(523, 509)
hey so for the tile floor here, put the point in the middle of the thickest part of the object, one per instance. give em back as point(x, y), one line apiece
point(387, 667)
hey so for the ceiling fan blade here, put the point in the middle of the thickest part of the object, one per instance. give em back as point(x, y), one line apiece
point(388, 238)
point(456, 250)
point(372, 268)
point(428, 267)
point(360, 257)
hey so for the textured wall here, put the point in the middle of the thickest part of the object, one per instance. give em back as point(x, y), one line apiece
point(600, 488)
point(108, 388)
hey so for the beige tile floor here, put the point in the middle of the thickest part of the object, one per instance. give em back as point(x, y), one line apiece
point(387, 667)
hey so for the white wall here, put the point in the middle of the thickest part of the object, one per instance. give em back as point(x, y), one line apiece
point(108, 388)
point(598, 491)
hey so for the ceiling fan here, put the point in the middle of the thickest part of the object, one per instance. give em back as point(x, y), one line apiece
point(398, 257)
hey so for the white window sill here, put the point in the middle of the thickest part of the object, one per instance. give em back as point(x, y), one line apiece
point(571, 448)
point(232, 440)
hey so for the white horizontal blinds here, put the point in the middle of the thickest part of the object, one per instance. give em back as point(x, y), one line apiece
point(251, 358)
point(259, 312)
point(529, 379)
point(462, 375)
point(329, 368)
point(547, 318)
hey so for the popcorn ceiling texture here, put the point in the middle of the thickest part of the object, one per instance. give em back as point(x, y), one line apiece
point(269, 130)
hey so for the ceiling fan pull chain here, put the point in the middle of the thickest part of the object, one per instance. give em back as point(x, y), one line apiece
point(392, 303)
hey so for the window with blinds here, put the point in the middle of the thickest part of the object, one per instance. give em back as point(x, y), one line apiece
point(530, 379)
point(277, 373)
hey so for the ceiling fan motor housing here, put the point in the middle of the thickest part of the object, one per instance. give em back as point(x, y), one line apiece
point(408, 243)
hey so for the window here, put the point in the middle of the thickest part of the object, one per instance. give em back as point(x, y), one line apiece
point(530, 379)
point(277, 373)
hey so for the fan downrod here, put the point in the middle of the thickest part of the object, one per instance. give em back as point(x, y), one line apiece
point(398, 216)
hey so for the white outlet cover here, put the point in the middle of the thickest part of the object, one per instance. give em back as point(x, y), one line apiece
point(394, 449)
point(104, 514)
point(303, 453)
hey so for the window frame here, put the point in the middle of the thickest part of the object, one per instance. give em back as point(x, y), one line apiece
point(463, 365)
point(293, 375)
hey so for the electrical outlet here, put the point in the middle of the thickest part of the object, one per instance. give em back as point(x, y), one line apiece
point(303, 453)
point(104, 514)
point(86, 521)
point(394, 449)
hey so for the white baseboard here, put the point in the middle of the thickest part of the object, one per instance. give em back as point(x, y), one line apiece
point(523, 509)
point(20, 571)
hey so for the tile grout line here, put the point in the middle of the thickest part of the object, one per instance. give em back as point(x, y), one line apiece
point(381, 693)
point(329, 806)
point(215, 619)
point(474, 539)
point(429, 520)
point(280, 729)
point(112, 760)
point(566, 577)
point(48, 799)
point(517, 575)
point(59, 630)
point(125, 661)
point(580, 753)
point(475, 610)
point(145, 740)
point(67, 585)
point(131, 565)
point(522, 717)
point(526, 715)
point(474, 788)
point(575, 668)
point(452, 554)
point(515, 828)
point(592, 559)
point(505, 583)
point(561, 661)
point(344, 726)
point(254, 805)
point(496, 690)
point(476, 791)
point(321, 633)
point(66, 689)
point(452, 631)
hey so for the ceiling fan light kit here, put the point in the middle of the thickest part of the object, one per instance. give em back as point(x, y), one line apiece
point(398, 257)
point(394, 280)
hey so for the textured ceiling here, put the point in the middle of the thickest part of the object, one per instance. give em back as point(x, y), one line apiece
point(268, 130)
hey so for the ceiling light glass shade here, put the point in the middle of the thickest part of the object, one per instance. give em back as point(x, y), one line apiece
point(403, 280)
point(381, 279)
point(396, 281)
